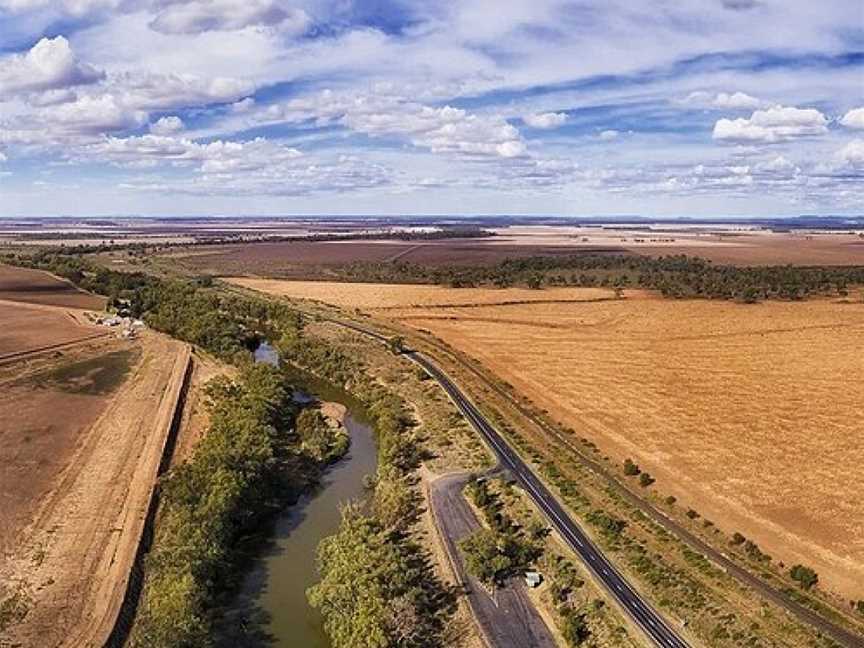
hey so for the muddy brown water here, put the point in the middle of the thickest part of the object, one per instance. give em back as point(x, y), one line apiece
point(272, 604)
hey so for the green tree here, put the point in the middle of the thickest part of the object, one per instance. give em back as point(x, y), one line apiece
point(396, 344)
point(805, 576)
point(484, 558)
point(631, 469)
point(574, 627)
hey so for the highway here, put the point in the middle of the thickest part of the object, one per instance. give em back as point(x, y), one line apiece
point(839, 634)
point(655, 627)
point(646, 617)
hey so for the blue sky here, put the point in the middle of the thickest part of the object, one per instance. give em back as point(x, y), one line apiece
point(709, 107)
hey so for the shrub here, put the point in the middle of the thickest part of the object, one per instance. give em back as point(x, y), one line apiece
point(574, 627)
point(805, 576)
point(630, 468)
point(646, 480)
point(609, 526)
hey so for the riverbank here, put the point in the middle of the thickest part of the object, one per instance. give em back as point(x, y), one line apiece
point(270, 607)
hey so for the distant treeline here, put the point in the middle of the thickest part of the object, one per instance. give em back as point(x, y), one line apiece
point(115, 244)
point(397, 235)
point(676, 276)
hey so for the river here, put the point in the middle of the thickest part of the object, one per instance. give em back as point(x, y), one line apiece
point(272, 599)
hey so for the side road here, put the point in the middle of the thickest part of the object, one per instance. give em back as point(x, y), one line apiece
point(508, 619)
point(655, 628)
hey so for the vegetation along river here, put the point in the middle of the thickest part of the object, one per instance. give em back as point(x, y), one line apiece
point(273, 593)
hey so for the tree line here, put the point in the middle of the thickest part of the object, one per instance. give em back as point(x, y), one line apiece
point(378, 587)
point(676, 276)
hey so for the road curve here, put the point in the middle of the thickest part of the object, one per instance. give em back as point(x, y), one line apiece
point(508, 619)
point(655, 627)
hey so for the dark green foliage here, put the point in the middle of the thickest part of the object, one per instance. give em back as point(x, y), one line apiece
point(505, 549)
point(805, 576)
point(233, 479)
point(737, 539)
point(376, 587)
point(609, 526)
point(646, 480)
point(574, 626)
point(671, 500)
point(630, 468)
point(675, 276)
point(322, 442)
point(374, 592)
point(692, 514)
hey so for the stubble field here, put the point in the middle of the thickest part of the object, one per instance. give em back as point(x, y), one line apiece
point(749, 414)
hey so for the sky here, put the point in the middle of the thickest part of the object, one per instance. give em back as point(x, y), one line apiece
point(601, 107)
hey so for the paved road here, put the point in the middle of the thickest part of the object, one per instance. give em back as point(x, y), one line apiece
point(836, 632)
point(643, 614)
point(652, 624)
point(509, 620)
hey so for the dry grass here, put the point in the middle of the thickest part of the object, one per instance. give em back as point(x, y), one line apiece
point(80, 443)
point(749, 414)
point(370, 296)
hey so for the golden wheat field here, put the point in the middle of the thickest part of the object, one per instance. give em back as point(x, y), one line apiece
point(371, 296)
point(750, 414)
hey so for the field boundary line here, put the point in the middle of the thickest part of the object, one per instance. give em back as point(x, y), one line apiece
point(117, 622)
point(15, 356)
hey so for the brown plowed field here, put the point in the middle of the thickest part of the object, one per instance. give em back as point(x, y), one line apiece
point(306, 259)
point(749, 414)
point(37, 287)
point(80, 442)
point(29, 327)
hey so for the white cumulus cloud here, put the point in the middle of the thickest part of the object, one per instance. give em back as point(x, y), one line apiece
point(772, 125)
point(49, 65)
point(545, 121)
point(167, 125)
point(852, 154)
point(854, 119)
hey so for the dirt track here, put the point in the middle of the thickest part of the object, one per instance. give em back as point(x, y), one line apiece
point(73, 559)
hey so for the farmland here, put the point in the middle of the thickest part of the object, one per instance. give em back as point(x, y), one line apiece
point(35, 287)
point(28, 328)
point(82, 422)
point(747, 414)
point(80, 458)
point(329, 259)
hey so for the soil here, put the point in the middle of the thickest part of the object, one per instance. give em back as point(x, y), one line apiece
point(30, 327)
point(37, 287)
point(71, 549)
